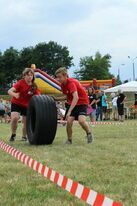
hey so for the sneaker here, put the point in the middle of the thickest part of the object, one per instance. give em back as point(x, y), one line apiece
point(12, 138)
point(24, 139)
point(69, 141)
point(89, 138)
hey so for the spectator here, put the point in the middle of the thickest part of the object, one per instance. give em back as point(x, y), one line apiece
point(2, 110)
point(7, 111)
point(92, 101)
point(135, 101)
point(120, 104)
point(114, 107)
point(99, 107)
point(104, 105)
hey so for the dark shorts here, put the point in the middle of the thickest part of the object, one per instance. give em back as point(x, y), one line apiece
point(2, 112)
point(17, 108)
point(121, 109)
point(77, 111)
point(104, 109)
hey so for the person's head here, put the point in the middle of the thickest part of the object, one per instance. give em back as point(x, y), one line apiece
point(62, 74)
point(33, 66)
point(91, 90)
point(28, 75)
point(112, 95)
point(120, 91)
point(99, 94)
point(103, 93)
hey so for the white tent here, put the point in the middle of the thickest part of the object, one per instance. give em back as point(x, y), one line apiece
point(127, 87)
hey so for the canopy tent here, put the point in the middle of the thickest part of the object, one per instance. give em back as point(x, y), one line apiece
point(127, 87)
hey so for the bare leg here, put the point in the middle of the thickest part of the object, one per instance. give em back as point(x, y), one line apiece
point(70, 121)
point(14, 121)
point(24, 132)
point(83, 123)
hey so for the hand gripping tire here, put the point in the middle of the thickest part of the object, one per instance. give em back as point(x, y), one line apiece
point(41, 120)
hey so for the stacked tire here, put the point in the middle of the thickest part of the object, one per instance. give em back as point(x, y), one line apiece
point(41, 120)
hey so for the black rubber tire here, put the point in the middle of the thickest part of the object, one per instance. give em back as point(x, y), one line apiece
point(41, 120)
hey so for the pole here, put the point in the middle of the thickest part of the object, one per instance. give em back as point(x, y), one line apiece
point(119, 73)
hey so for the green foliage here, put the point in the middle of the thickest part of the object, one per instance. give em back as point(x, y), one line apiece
point(48, 56)
point(118, 80)
point(97, 67)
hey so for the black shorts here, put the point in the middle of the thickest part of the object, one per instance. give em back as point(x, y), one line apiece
point(77, 111)
point(104, 109)
point(2, 112)
point(121, 109)
point(20, 109)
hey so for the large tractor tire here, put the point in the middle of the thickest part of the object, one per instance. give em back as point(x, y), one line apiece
point(41, 120)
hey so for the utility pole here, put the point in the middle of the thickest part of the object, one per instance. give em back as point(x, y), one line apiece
point(133, 65)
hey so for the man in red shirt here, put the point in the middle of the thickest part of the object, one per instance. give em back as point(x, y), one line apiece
point(77, 101)
point(21, 94)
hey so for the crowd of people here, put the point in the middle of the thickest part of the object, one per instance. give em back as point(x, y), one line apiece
point(5, 110)
point(97, 109)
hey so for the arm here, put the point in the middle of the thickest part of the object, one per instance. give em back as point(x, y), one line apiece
point(93, 102)
point(98, 100)
point(12, 92)
point(123, 101)
point(62, 98)
point(73, 104)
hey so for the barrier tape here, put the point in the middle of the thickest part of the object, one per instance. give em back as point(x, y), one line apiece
point(76, 189)
point(103, 123)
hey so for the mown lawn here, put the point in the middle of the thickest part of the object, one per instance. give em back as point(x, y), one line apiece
point(108, 166)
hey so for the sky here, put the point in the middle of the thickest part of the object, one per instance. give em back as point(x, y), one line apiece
point(84, 26)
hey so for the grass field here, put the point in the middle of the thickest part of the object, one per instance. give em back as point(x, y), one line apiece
point(108, 166)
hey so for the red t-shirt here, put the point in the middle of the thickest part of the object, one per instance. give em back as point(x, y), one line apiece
point(72, 86)
point(25, 93)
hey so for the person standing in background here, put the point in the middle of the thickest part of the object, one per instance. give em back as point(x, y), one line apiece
point(135, 101)
point(114, 107)
point(104, 105)
point(120, 104)
point(99, 107)
point(2, 110)
point(92, 103)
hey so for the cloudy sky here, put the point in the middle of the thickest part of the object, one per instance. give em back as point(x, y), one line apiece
point(85, 26)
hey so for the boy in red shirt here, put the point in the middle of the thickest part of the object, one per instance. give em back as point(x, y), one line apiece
point(21, 94)
point(77, 100)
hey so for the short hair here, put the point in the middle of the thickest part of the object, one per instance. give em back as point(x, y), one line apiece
point(61, 70)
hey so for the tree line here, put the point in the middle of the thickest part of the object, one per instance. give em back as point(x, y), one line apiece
point(49, 57)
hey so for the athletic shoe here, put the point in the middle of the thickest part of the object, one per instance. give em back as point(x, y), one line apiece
point(89, 138)
point(24, 139)
point(69, 141)
point(12, 138)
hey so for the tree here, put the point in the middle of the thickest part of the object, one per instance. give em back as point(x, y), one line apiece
point(9, 66)
point(25, 57)
point(50, 56)
point(97, 67)
point(118, 80)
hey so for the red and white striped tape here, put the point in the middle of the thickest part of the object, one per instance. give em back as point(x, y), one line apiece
point(78, 190)
point(103, 123)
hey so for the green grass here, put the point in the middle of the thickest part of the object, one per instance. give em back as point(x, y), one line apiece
point(108, 166)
